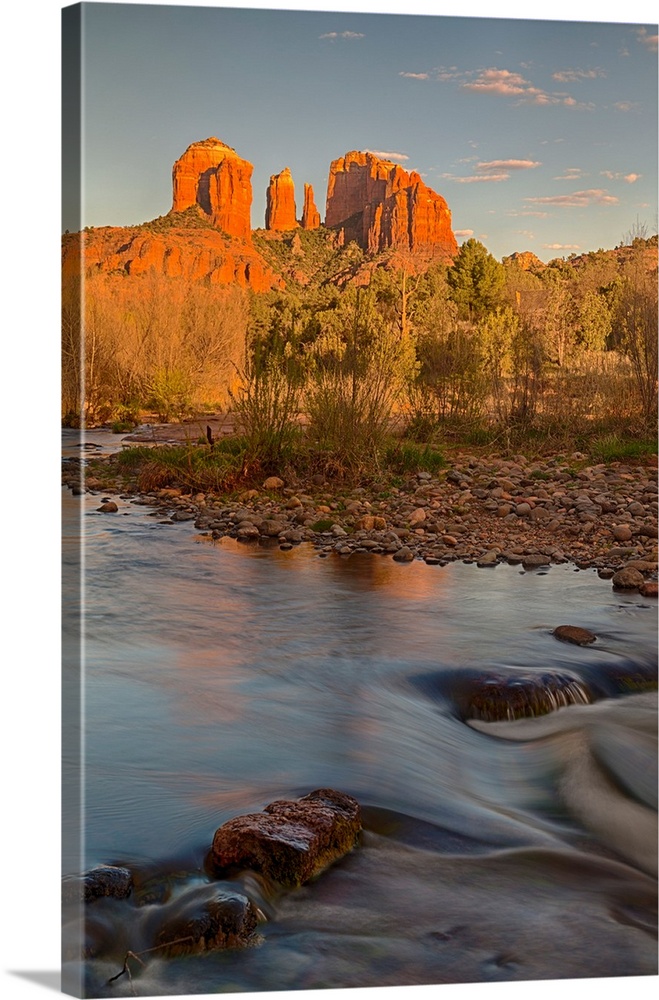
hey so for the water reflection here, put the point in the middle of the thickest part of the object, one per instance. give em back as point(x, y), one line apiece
point(219, 676)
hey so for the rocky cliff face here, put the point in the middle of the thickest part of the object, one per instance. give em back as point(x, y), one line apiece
point(280, 203)
point(310, 214)
point(382, 206)
point(204, 255)
point(210, 174)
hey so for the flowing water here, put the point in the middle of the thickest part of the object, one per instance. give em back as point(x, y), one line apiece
point(219, 676)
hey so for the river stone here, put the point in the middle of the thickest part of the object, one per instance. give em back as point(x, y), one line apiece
point(290, 841)
point(621, 532)
point(495, 697)
point(404, 554)
point(535, 560)
point(271, 528)
point(649, 588)
point(273, 483)
point(109, 507)
point(575, 634)
point(105, 880)
point(488, 558)
point(417, 516)
point(207, 920)
point(628, 579)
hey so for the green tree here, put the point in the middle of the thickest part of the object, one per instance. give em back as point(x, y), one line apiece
point(477, 281)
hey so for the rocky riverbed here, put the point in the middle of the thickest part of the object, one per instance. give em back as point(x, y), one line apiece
point(483, 510)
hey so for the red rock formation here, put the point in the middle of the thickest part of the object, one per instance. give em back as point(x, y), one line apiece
point(310, 214)
point(380, 205)
point(210, 174)
point(280, 202)
point(190, 254)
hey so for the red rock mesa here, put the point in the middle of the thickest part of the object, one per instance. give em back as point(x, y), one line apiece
point(380, 205)
point(210, 174)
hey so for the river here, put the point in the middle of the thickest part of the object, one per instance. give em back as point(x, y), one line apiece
point(219, 676)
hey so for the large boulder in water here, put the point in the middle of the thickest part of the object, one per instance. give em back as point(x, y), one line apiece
point(105, 880)
point(501, 695)
point(290, 841)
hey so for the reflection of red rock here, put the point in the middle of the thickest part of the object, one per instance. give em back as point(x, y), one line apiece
point(210, 174)
point(280, 202)
point(310, 214)
point(191, 254)
point(380, 205)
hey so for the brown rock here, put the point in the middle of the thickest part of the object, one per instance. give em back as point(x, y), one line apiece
point(271, 528)
point(621, 532)
point(198, 255)
point(575, 634)
point(628, 579)
point(649, 588)
point(280, 202)
point(310, 214)
point(273, 483)
point(207, 919)
point(105, 880)
point(381, 206)
point(109, 507)
point(210, 174)
point(290, 841)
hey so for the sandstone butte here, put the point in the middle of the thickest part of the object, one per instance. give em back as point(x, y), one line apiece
point(210, 174)
point(382, 206)
point(371, 200)
point(280, 203)
point(310, 214)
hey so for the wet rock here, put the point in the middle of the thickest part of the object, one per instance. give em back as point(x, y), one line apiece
point(290, 841)
point(207, 919)
point(105, 880)
point(575, 634)
point(649, 588)
point(628, 579)
point(403, 554)
point(182, 515)
point(488, 558)
point(109, 507)
point(534, 560)
point(500, 696)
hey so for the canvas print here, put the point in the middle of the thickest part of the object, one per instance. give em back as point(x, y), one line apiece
point(359, 402)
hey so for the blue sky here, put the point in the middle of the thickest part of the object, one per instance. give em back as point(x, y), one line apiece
point(541, 135)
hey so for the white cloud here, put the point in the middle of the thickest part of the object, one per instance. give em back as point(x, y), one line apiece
point(349, 35)
point(463, 234)
point(497, 166)
point(578, 199)
point(384, 155)
point(619, 176)
point(415, 76)
point(476, 178)
point(574, 75)
point(571, 174)
point(649, 41)
point(560, 246)
point(626, 105)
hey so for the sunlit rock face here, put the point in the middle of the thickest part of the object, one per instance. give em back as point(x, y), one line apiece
point(199, 255)
point(310, 214)
point(380, 206)
point(210, 174)
point(280, 202)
